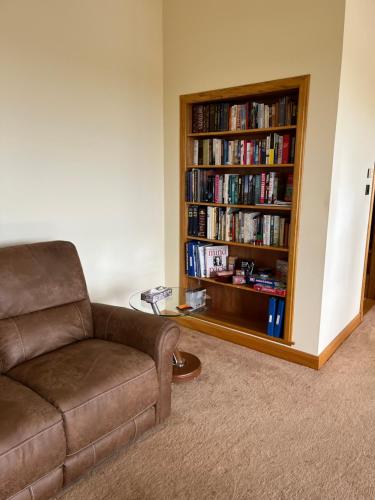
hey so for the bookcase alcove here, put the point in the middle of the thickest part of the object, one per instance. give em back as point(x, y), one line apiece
point(253, 118)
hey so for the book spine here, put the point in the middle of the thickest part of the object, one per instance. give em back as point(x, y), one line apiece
point(272, 291)
point(286, 146)
point(272, 302)
point(271, 187)
point(292, 149)
point(276, 230)
point(195, 152)
point(190, 220)
point(262, 187)
point(202, 230)
point(280, 150)
point(281, 231)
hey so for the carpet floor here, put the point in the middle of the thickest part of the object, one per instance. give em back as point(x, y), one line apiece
point(255, 427)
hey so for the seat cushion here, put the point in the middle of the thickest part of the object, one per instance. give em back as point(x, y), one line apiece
point(96, 384)
point(32, 440)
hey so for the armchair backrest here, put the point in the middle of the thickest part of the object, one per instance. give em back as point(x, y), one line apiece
point(44, 302)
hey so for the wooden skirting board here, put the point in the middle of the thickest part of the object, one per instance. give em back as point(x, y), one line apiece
point(269, 347)
point(338, 340)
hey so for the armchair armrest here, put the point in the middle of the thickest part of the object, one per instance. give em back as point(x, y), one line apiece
point(153, 335)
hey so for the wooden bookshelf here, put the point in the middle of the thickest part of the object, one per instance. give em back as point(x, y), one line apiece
point(238, 312)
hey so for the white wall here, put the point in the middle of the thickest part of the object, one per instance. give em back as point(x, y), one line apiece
point(210, 44)
point(354, 153)
point(81, 140)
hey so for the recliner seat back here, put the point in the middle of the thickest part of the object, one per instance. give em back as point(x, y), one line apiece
point(44, 302)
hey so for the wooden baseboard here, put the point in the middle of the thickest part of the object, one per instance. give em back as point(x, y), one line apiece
point(338, 340)
point(269, 347)
point(248, 340)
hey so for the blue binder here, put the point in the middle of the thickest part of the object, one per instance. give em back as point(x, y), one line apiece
point(272, 302)
point(190, 255)
point(279, 319)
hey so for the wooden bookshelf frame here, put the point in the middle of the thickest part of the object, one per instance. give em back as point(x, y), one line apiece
point(230, 330)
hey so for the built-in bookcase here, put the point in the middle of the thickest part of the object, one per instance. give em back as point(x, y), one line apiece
point(238, 312)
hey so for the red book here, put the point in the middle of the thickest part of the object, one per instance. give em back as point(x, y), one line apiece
point(286, 147)
point(252, 152)
point(273, 291)
point(262, 187)
point(289, 188)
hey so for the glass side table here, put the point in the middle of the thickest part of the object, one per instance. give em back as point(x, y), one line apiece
point(186, 366)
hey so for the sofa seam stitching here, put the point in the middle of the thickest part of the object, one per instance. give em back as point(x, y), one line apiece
point(112, 431)
point(36, 481)
point(135, 429)
point(20, 337)
point(47, 308)
point(108, 391)
point(107, 324)
point(80, 316)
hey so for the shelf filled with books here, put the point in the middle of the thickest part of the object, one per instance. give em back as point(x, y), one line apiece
point(241, 160)
point(249, 166)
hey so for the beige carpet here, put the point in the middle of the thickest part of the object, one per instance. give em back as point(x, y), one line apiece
point(255, 427)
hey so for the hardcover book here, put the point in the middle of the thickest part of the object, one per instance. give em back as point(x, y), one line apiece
point(216, 259)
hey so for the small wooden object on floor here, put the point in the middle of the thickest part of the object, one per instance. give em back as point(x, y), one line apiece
point(186, 366)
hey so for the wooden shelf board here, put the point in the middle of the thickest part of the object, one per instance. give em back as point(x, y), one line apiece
point(255, 207)
point(245, 288)
point(250, 165)
point(242, 132)
point(234, 243)
point(256, 327)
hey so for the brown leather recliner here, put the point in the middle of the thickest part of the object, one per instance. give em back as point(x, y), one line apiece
point(77, 380)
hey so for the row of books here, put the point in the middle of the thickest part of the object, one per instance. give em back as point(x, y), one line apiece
point(275, 149)
point(222, 116)
point(235, 189)
point(237, 225)
point(275, 323)
point(203, 260)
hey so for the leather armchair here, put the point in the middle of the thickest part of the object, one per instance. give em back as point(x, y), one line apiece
point(77, 380)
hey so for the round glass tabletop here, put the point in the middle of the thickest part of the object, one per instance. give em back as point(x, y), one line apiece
point(180, 302)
